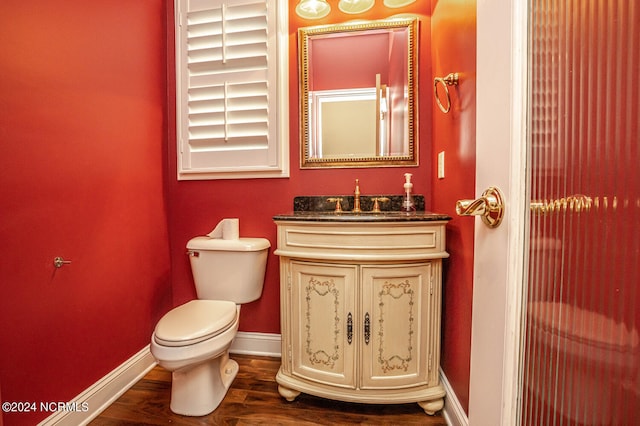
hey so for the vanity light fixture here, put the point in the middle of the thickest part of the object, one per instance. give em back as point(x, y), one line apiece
point(398, 3)
point(355, 6)
point(316, 9)
point(313, 9)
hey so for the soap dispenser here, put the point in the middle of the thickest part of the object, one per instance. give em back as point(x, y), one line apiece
point(407, 201)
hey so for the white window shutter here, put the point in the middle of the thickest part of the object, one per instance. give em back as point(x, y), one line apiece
point(232, 94)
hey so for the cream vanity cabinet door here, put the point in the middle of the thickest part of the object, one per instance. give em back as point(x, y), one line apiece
point(381, 315)
point(322, 322)
point(399, 309)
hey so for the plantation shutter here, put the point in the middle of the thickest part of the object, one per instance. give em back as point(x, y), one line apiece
point(229, 89)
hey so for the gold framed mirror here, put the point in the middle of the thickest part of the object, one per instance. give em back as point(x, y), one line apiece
point(358, 94)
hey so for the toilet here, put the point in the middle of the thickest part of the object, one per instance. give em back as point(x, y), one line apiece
point(192, 340)
point(594, 359)
point(590, 357)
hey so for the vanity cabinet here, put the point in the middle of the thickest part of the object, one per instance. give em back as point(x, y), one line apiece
point(360, 310)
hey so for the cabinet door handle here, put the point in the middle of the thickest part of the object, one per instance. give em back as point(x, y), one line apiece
point(349, 328)
point(367, 328)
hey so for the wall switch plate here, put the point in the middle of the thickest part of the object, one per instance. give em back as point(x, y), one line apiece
point(441, 165)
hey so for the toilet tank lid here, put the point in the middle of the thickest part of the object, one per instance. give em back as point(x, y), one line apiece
point(241, 244)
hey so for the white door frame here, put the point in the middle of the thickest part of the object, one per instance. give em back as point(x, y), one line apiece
point(501, 87)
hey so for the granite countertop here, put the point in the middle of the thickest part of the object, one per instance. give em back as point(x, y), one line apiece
point(318, 209)
point(418, 216)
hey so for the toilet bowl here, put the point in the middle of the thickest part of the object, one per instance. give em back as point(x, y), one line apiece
point(192, 340)
point(595, 357)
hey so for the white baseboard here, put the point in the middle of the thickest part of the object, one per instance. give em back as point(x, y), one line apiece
point(261, 344)
point(453, 412)
point(90, 403)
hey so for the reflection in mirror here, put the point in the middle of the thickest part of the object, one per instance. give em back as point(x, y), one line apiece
point(357, 94)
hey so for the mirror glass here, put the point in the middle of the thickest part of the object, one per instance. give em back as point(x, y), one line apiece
point(357, 94)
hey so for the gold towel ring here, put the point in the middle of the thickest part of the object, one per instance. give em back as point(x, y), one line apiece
point(450, 80)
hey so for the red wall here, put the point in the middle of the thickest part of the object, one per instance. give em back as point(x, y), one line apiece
point(196, 206)
point(454, 50)
point(82, 126)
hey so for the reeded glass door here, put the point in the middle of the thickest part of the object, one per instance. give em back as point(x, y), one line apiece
point(581, 362)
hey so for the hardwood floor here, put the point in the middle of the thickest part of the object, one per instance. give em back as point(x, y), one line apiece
point(253, 400)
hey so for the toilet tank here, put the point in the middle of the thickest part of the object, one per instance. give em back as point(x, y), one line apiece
point(228, 269)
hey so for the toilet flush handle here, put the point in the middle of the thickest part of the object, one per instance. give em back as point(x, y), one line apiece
point(193, 253)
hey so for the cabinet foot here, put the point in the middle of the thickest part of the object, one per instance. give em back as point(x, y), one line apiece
point(430, 407)
point(288, 394)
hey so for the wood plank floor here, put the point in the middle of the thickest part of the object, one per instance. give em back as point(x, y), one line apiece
point(253, 400)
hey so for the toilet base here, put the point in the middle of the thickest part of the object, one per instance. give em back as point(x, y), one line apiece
point(197, 391)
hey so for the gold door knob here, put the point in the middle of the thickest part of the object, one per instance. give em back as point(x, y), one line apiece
point(490, 207)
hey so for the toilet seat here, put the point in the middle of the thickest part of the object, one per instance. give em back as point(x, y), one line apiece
point(194, 322)
point(583, 327)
